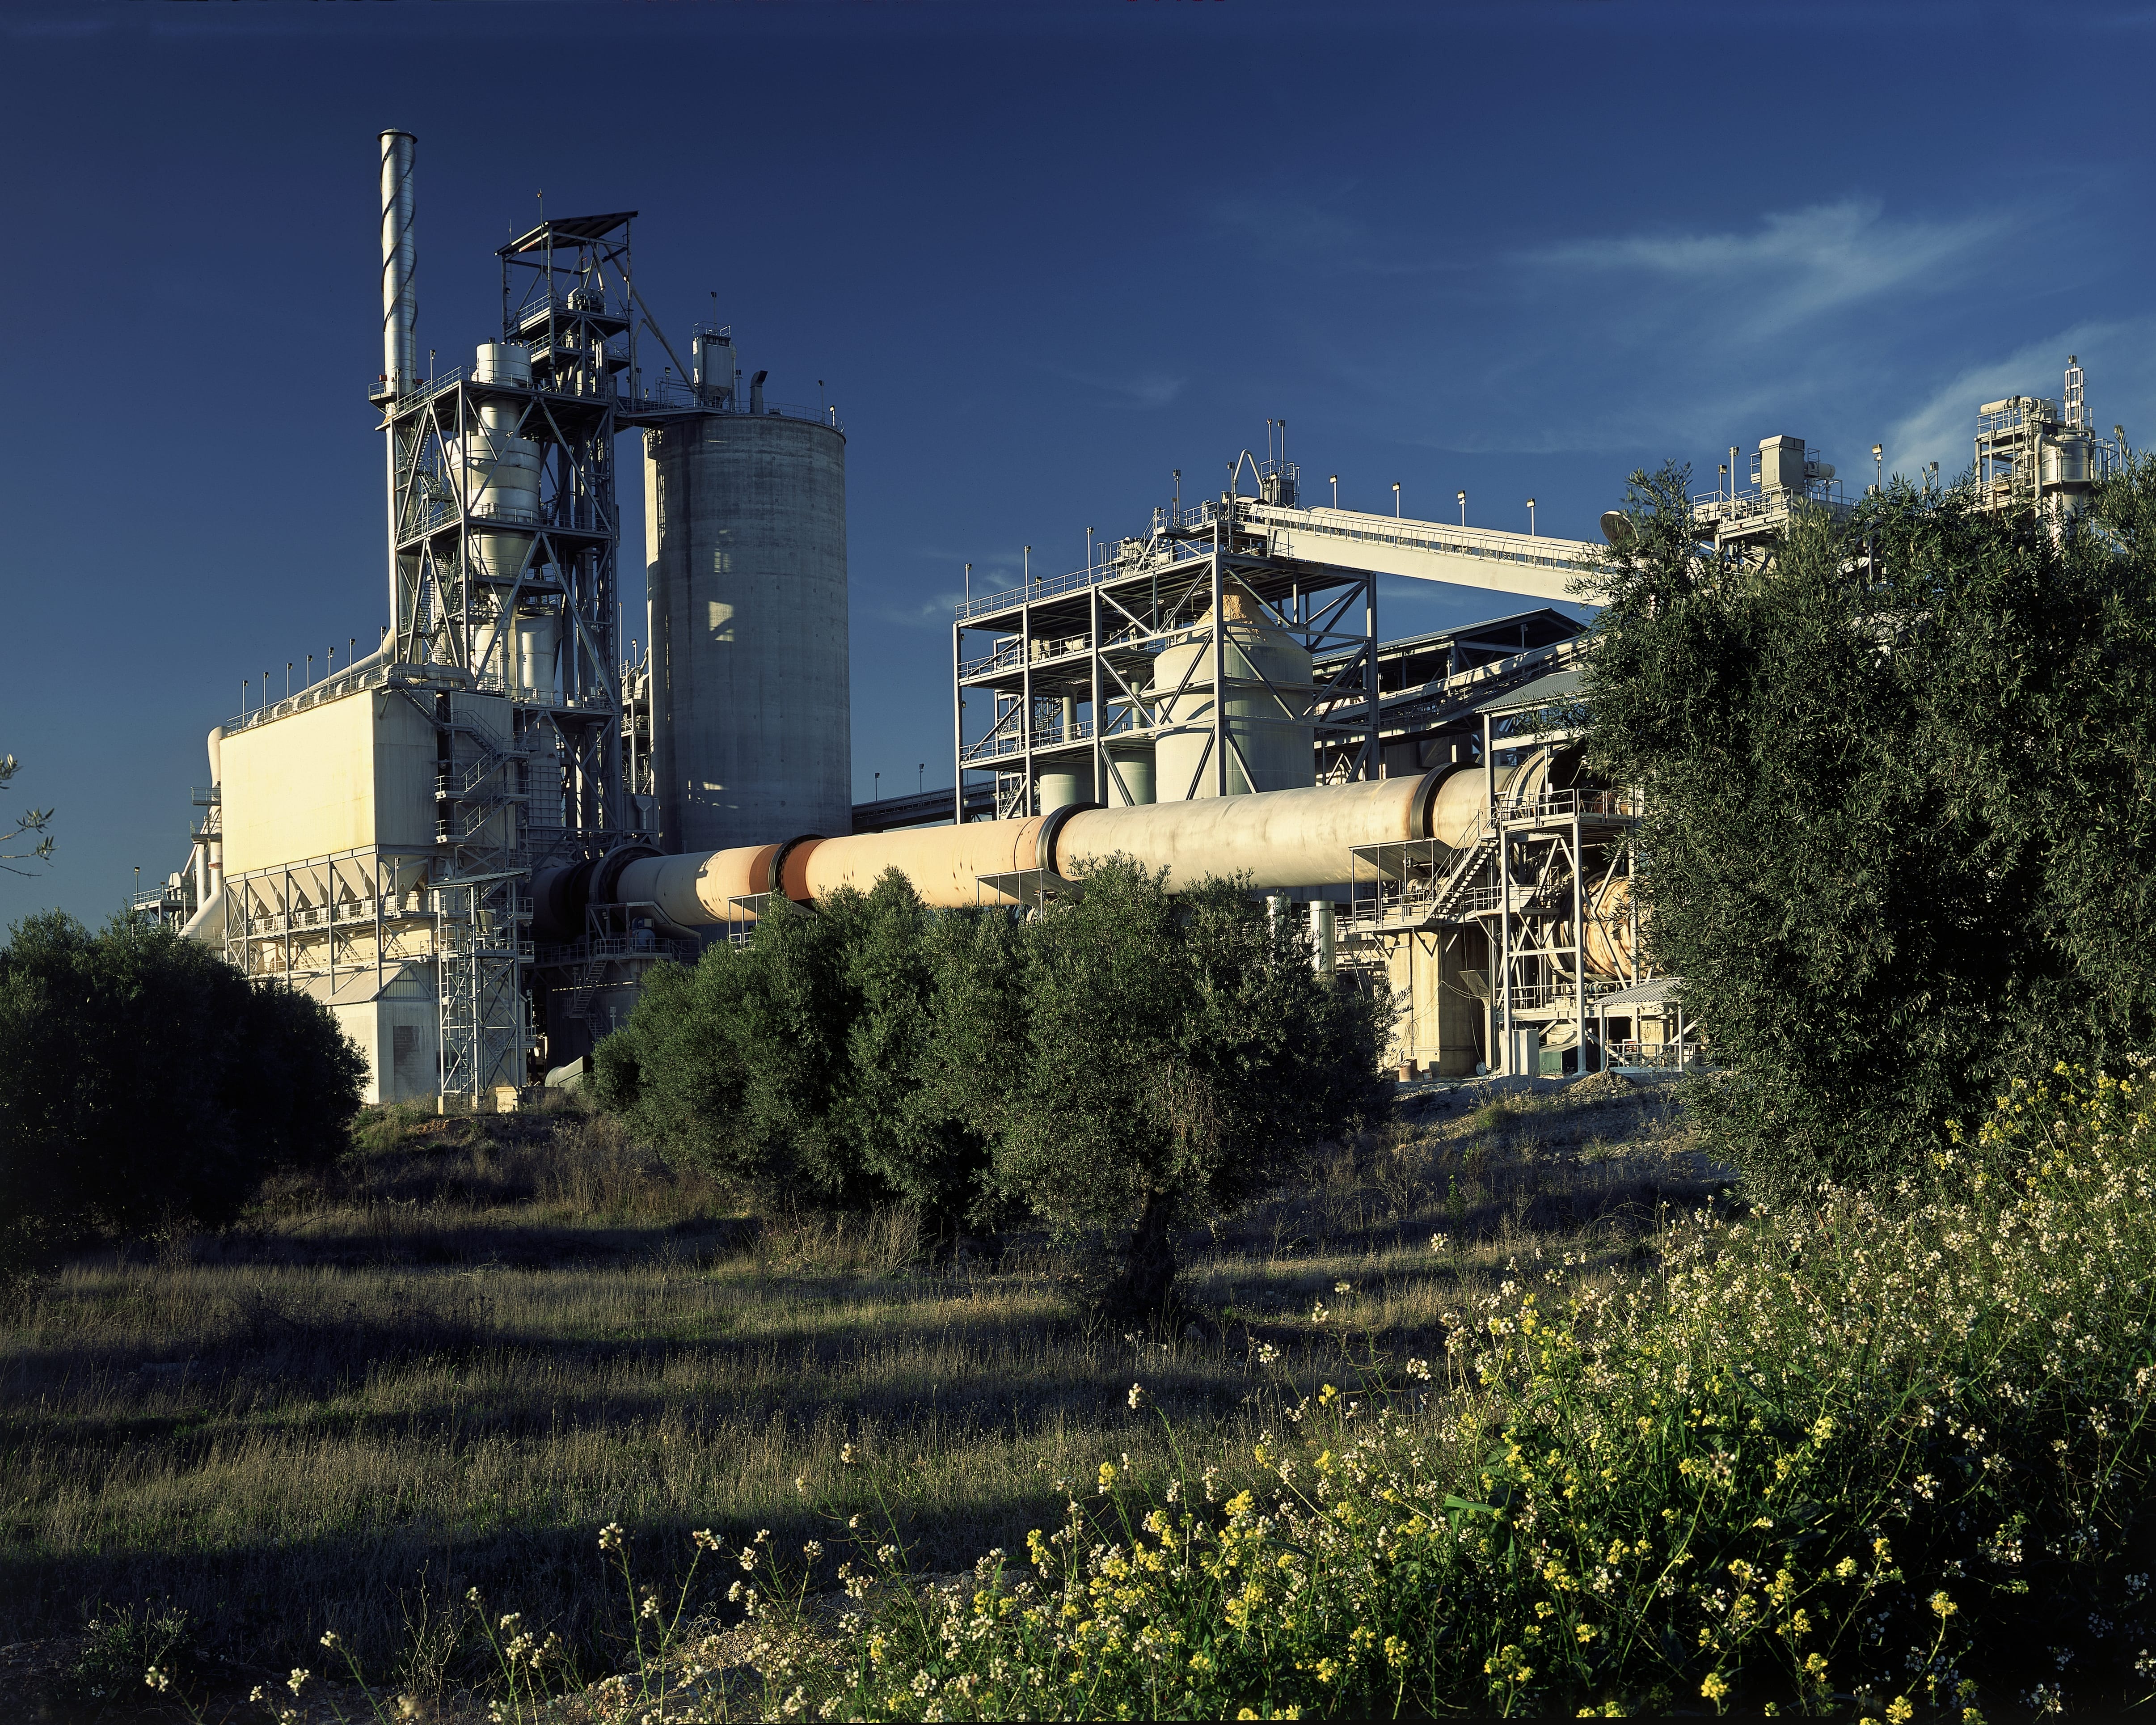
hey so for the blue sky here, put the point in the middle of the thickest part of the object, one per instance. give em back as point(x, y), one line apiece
point(1040, 255)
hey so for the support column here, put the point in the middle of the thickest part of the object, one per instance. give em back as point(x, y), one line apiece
point(1220, 650)
point(958, 728)
point(1579, 939)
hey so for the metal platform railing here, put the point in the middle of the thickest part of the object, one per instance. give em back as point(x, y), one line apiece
point(1564, 805)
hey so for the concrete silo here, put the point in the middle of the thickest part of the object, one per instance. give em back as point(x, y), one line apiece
point(745, 521)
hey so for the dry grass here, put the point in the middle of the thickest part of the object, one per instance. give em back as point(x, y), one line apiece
point(446, 1366)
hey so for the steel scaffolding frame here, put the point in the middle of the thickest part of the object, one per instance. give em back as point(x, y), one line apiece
point(1088, 641)
point(552, 788)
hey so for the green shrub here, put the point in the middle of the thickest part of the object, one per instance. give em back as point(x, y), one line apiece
point(1885, 1451)
point(1179, 1055)
point(801, 1062)
point(143, 1079)
point(1120, 1064)
point(1901, 796)
point(125, 1650)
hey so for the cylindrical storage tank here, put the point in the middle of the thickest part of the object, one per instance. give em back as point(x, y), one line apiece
point(538, 648)
point(745, 524)
point(1062, 786)
point(1323, 936)
point(1130, 777)
point(1270, 730)
point(501, 481)
point(2065, 460)
point(503, 363)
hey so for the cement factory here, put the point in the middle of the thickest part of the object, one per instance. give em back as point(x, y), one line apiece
point(472, 843)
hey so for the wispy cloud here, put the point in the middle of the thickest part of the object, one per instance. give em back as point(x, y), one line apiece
point(1146, 391)
point(933, 611)
point(1795, 266)
point(1322, 232)
point(2121, 383)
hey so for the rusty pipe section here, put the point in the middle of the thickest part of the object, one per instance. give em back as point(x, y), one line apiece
point(1298, 838)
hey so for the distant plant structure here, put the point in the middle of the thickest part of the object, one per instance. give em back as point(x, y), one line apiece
point(144, 1082)
point(1900, 778)
point(32, 820)
point(1123, 1063)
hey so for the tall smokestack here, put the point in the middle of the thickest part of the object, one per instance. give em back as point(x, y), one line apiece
point(400, 317)
point(400, 298)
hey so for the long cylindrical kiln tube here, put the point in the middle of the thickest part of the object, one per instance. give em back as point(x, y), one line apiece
point(1299, 837)
point(945, 864)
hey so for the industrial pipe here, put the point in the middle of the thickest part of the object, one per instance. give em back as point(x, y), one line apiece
point(1277, 839)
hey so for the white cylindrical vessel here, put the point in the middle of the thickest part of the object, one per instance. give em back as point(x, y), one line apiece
point(1062, 786)
point(503, 363)
point(538, 649)
point(1269, 726)
point(1130, 779)
point(501, 471)
point(745, 531)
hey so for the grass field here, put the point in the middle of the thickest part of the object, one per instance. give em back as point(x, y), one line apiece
point(449, 1366)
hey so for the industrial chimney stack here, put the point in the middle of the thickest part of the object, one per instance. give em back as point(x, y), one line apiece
point(400, 300)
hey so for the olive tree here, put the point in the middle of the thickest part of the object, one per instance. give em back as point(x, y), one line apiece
point(1178, 1055)
point(799, 1063)
point(143, 1079)
point(1114, 1067)
point(1900, 778)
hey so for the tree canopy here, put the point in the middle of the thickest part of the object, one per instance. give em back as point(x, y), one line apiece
point(143, 1079)
point(1899, 777)
point(1123, 1062)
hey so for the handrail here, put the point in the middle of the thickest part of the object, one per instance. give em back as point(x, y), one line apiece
point(1616, 804)
point(678, 395)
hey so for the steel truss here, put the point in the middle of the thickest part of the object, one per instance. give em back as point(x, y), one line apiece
point(480, 925)
point(1540, 876)
point(474, 576)
point(1069, 675)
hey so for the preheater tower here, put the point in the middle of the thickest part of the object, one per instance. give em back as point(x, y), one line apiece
point(745, 520)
